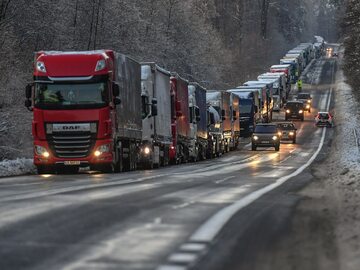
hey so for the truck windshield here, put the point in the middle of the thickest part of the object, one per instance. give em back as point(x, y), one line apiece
point(245, 106)
point(70, 96)
point(265, 129)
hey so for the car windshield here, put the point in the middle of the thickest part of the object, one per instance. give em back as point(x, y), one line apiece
point(66, 96)
point(265, 129)
point(294, 105)
point(323, 116)
point(286, 126)
point(303, 96)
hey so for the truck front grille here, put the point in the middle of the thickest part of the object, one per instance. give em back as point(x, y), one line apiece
point(71, 145)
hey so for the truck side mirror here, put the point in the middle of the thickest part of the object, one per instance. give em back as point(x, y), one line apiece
point(115, 89)
point(234, 115)
point(28, 104)
point(223, 115)
point(117, 101)
point(197, 111)
point(28, 91)
point(212, 119)
point(154, 109)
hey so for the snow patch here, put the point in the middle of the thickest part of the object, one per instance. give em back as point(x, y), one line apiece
point(18, 166)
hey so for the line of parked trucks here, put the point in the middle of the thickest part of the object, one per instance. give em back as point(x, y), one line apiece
point(104, 110)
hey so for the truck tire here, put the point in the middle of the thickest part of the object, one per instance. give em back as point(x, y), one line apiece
point(106, 168)
point(118, 166)
point(68, 169)
point(45, 169)
point(253, 147)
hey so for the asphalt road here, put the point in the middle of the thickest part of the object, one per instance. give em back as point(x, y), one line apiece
point(159, 219)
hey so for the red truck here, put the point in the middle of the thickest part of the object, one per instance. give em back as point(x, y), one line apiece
point(86, 111)
point(180, 120)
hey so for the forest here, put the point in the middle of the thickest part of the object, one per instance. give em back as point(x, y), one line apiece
point(218, 43)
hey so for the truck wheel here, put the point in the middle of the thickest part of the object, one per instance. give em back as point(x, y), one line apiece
point(118, 166)
point(107, 168)
point(45, 169)
point(277, 147)
point(69, 170)
point(253, 147)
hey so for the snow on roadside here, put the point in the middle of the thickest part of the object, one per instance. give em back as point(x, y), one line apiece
point(346, 154)
point(18, 166)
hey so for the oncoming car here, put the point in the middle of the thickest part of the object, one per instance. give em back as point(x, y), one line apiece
point(265, 135)
point(307, 99)
point(324, 119)
point(287, 131)
point(294, 110)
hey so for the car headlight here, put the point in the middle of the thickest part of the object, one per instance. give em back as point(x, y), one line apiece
point(287, 111)
point(105, 148)
point(307, 106)
point(41, 151)
point(279, 133)
point(291, 133)
point(301, 111)
point(275, 138)
point(309, 101)
point(255, 138)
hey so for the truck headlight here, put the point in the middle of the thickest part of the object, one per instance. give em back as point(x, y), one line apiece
point(275, 138)
point(41, 151)
point(147, 150)
point(301, 111)
point(105, 148)
point(309, 101)
point(255, 138)
point(291, 133)
point(307, 106)
point(287, 111)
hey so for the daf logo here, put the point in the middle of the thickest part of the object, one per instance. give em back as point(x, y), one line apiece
point(71, 127)
point(83, 127)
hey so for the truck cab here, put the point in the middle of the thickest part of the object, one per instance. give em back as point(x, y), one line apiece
point(77, 117)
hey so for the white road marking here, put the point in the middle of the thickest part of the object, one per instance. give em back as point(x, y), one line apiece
point(225, 179)
point(182, 258)
point(210, 229)
point(193, 247)
point(171, 267)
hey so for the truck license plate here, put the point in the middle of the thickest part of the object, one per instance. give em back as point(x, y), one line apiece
point(265, 142)
point(72, 162)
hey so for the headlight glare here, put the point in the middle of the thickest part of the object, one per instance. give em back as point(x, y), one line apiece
point(147, 150)
point(255, 138)
point(105, 148)
point(41, 151)
point(275, 138)
point(301, 111)
point(287, 111)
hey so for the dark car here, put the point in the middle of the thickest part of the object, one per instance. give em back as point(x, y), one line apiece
point(287, 131)
point(265, 135)
point(294, 110)
point(307, 99)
